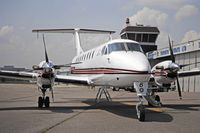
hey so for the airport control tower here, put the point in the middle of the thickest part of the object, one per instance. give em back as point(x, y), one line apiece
point(145, 35)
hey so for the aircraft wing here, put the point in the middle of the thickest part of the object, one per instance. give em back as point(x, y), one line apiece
point(18, 75)
point(193, 72)
point(74, 79)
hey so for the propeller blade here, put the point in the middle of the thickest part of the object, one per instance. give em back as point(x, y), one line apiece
point(171, 51)
point(45, 50)
point(181, 66)
point(179, 88)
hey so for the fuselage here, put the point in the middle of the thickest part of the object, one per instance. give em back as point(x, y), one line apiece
point(118, 62)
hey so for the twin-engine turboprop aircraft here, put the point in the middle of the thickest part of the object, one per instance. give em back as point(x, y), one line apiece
point(116, 63)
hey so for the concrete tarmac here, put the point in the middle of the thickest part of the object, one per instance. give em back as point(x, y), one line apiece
point(75, 111)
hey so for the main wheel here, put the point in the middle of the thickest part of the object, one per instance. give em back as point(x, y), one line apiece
point(140, 112)
point(157, 98)
point(46, 102)
point(40, 102)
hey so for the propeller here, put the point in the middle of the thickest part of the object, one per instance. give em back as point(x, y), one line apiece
point(45, 50)
point(181, 66)
point(173, 61)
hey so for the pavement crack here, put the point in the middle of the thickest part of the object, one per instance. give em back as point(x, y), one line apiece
point(59, 123)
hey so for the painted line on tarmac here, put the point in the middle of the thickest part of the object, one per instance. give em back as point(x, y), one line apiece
point(155, 110)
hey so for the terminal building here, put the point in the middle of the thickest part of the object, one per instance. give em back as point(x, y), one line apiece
point(185, 53)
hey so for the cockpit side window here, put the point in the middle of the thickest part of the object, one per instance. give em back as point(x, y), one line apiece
point(116, 47)
point(104, 51)
point(134, 47)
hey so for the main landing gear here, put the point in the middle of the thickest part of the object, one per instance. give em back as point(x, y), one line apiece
point(43, 100)
point(140, 110)
point(153, 100)
point(103, 90)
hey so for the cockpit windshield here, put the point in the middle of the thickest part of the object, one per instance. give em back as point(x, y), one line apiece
point(124, 47)
point(116, 47)
point(133, 47)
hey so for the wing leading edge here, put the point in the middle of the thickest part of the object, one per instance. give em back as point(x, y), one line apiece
point(72, 79)
point(18, 75)
point(80, 80)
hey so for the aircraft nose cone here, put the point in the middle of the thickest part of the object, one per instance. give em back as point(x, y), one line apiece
point(174, 67)
point(135, 61)
point(141, 64)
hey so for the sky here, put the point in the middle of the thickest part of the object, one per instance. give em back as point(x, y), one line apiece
point(20, 47)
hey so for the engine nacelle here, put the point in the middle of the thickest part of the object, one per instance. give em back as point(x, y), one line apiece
point(163, 73)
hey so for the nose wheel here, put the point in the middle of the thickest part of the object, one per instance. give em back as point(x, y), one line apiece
point(43, 101)
point(140, 112)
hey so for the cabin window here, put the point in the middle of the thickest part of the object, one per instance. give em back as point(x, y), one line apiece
point(87, 56)
point(90, 55)
point(84, 58)
point(116, 47)
point(93, 54)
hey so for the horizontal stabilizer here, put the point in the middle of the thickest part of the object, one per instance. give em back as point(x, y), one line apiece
point(73, 30)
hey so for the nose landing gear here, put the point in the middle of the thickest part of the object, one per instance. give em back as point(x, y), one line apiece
point(140, 110)
point(43, 100)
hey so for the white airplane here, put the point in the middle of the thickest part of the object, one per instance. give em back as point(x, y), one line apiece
point(117, 63)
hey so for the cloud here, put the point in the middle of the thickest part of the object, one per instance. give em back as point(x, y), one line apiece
point(167, 4)
point(149, 16)
point(162, 40)
point(5, 30)
point(191, 35)
point(185, 12)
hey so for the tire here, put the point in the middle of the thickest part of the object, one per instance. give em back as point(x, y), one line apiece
point(141, 113)
point(46, 102)
point(157, 98)
point(150, 105)
point(114, 89)
point(40, 102)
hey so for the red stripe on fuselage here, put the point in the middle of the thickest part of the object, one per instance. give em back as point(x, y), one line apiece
point(106, 71)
